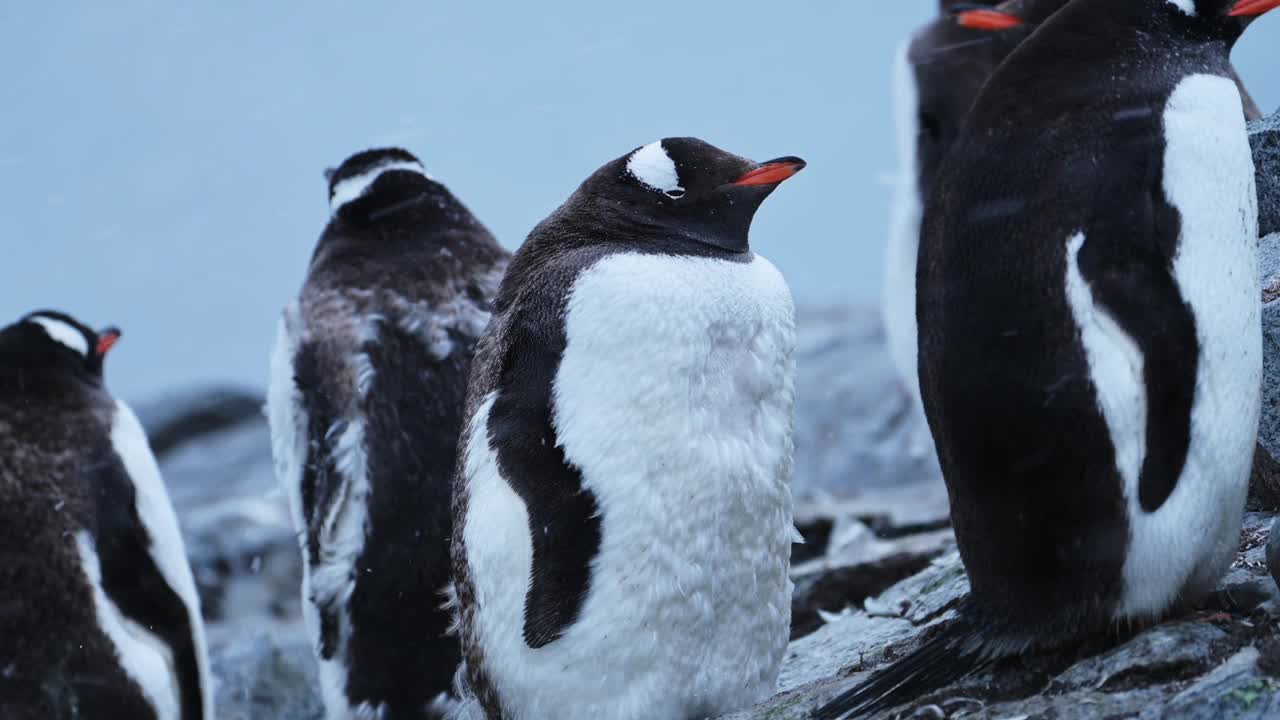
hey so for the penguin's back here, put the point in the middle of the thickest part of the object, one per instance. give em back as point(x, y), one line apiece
point(105, 621)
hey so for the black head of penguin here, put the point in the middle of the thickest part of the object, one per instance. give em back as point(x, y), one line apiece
point(48, 341)
point(951, 58)
point(1208, 20)
point(374, 185)
point(1015, 20)
point(680, 188)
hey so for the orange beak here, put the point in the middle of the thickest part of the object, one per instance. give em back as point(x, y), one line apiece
point(1251, 8)
point(989, 20)
point(771, 172)
point(107, 339)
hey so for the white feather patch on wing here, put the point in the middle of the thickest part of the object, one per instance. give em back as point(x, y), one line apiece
point(143, 656)
point(161, 522)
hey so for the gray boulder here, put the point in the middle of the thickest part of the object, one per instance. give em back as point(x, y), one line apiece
point(857, 430)
point(1216, 663)
point(1265, 484)
point(1264, 136)
point(235, 522)
point(263, 669)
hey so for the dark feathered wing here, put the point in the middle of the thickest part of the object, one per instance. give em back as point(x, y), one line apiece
point(563, 522)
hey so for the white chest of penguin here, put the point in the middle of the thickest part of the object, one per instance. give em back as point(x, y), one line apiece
point(1209, 178)
point(1186, 544)
point(675, 399)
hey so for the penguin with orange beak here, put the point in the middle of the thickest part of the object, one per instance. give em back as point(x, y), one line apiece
point(99, 615)
point(1090, 335)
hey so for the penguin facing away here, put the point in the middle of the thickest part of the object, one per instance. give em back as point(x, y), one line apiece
point(101, 616)
point(938, 74)
point(368, 380)
point(622, 522)
point(1090, 341)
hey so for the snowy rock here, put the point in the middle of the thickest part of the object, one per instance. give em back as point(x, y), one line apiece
point(1217, 662)
point(263, 670)
point(234, 518)
point(858, 564)
point(180, 417)
point(856, 429)
point(1264, 136)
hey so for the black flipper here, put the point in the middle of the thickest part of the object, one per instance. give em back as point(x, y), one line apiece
point(1127, 261)
point(564, 523)
point(133, 581)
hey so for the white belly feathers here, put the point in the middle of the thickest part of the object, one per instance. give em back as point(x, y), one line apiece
point(1186, 544)
point(675, 399)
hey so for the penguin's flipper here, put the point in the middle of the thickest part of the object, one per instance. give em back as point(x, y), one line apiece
point(564, 523)
point(135, 582)
point(1127, 262)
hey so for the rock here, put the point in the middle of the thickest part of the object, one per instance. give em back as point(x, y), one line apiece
point(1201, 664)
point(1235, 689)
point(1264, 137)
point(856, 428)
point(176, 418)
point(1273, 551)
point(1264, 484)
point(858, 564)
point(1175, 649)
point(1264, 478)
point(234, 518)
point(263, 670)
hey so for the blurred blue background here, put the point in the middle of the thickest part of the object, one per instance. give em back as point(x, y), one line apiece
point(160, 166)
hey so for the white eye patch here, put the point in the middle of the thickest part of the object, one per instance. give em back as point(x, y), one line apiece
point(356, 185)
point(66, 334)
point(652, 166)
point(1186, 6)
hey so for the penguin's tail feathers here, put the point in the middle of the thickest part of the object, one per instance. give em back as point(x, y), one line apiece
point(955, 651)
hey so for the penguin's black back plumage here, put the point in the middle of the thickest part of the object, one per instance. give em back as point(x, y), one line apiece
point(66, 497)
point(397, 292)
point(1058, 177)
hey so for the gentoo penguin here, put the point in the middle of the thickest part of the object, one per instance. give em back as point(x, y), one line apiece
point(1090, 341)
point(938, 74)
point(99, 616)
point(622, 509)
point(368, 380)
